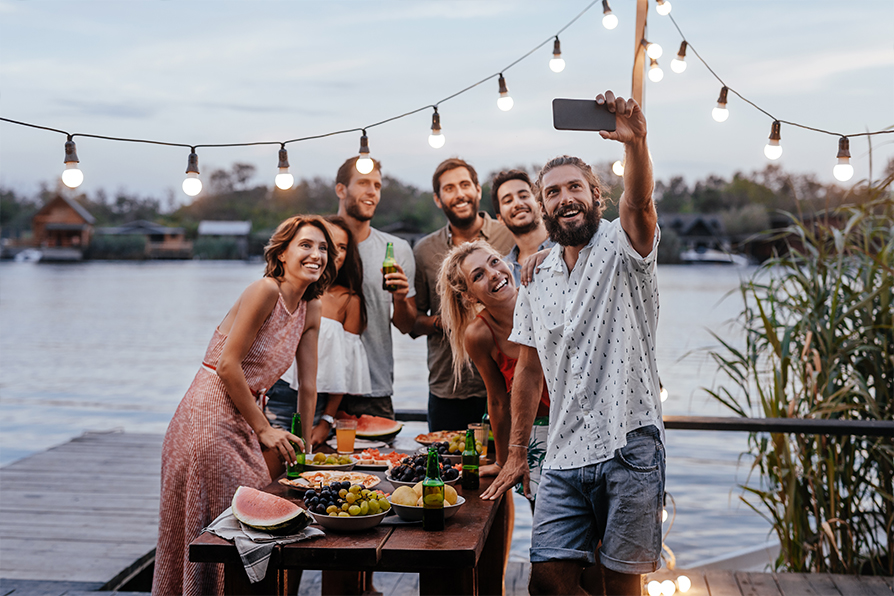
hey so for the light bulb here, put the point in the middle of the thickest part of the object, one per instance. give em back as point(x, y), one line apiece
point(609, 21)
point(663, 7)
point(683, 583)
point(678, 64)
point(663, 515)
point(654, 51)
point(668, 588)
point(364, 164)
point(192, 185)
point(662, 394)
point(557, 64)
point(618, 168)
point(284, 180)
point(773, 150)
point(71, 175)
point(654, 588)
point(720, 113)
point(843, 170)
point(436, 139)
point(655, 72)
point(505, 102)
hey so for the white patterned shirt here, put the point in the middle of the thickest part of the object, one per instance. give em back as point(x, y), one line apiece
point(594, 331)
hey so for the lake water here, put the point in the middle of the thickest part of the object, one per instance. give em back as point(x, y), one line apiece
point(114, 345)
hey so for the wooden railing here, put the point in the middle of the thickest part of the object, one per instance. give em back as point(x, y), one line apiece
point(864, 428)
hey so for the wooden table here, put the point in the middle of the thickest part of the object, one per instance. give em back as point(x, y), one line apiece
point(466, 558)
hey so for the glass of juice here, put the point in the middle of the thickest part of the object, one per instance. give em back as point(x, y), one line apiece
point(481, 431)
point(345, 431)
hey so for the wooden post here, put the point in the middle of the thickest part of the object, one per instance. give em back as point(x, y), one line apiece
point(639, 53)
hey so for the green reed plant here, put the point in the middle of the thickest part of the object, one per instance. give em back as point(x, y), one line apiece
point(818, 327)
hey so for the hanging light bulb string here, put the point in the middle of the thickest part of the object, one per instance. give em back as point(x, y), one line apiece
point(319, 136)
point(757, 107)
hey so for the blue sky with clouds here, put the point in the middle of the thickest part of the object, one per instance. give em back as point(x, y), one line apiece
point(224, 72)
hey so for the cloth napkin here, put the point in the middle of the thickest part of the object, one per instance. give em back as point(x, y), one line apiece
point(254, 546)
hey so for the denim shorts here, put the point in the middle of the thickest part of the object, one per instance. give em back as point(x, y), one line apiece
point(618, 501)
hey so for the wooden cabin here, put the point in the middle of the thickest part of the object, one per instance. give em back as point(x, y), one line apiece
point(161, 242)
point(62, 223)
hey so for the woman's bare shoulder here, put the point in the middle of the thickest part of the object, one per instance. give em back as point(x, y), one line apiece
point(478, 336)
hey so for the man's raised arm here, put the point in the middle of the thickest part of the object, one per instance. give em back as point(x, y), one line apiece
point(638, 215)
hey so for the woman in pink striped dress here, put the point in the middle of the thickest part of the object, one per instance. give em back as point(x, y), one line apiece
point(219, 436)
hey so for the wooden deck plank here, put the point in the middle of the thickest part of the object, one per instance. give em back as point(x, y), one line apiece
point(798, 584)
point(697, 578)
point(866, 585)
point(722, 583)
point(757, 584)
point(89, 508)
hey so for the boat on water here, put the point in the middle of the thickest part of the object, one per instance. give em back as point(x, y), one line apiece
point(29, 255)
point(713, 256)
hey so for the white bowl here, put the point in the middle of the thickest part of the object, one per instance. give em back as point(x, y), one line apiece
point(407, 513)
point(397, 483)
point(357, 523)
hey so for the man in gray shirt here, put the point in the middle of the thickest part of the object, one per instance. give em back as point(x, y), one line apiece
point(358, 196)
point(451, 406)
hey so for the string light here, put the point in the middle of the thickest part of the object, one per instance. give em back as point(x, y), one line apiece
point(654, 588)
point(365, 164)
point(192, 185)
point(72, 176)
point(436, 139)
point(662, 394)
point(618, 168)
point(662, 7)
point(668, 588)
point(678, 64)
point(557, 64)
point(284, 180)
point(773, 150)
point(655, 72)
point(683, 583)
point(720, 113)
point(609, 21)
point(653, 50)
point(505, 102)
point(843, 170)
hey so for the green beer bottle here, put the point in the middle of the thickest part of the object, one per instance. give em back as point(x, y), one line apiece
point(432, 494)
point(471, 479)
point(389, 265)
point(295, 471)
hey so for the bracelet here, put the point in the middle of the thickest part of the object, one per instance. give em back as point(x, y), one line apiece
point(498, 464)
point(519, 446)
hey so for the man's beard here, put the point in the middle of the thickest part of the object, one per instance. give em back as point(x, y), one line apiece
point(352, 208)
point(577, 235)
point(521, 230)
point(460, 222)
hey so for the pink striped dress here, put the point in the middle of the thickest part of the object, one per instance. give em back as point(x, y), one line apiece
point(209, 450)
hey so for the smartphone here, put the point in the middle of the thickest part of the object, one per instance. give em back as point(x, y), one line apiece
point(581, 114)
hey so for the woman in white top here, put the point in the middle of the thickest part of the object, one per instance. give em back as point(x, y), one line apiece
point(342, 364)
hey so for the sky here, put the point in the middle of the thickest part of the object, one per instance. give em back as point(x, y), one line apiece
point(205, 72)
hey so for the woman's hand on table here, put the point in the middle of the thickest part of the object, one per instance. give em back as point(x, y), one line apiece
point(280, 441)
point(515, 470)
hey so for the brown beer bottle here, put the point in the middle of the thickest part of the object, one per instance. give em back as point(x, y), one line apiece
point(389, 265)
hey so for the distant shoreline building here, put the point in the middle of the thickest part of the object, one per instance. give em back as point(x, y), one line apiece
point(161, 242)
point(230, 237)
point(62, 229)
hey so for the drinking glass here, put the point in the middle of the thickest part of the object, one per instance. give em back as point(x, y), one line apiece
point(481, 435)
point(345, 431)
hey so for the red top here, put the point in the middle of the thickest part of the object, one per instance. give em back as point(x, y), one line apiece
point(507, 367)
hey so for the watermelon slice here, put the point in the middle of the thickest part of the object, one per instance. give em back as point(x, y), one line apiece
point(375, 428)
point(268, 513)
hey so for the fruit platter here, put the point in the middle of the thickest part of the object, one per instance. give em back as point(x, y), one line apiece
point(329, 461)
point(412, 470)
point(374, 428)
point(319, 478)
point(373, 459)
point(407, 502)
point(346, 507)
point(439, 436)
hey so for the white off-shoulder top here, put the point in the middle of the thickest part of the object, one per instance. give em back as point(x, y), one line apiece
point(342, 366)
